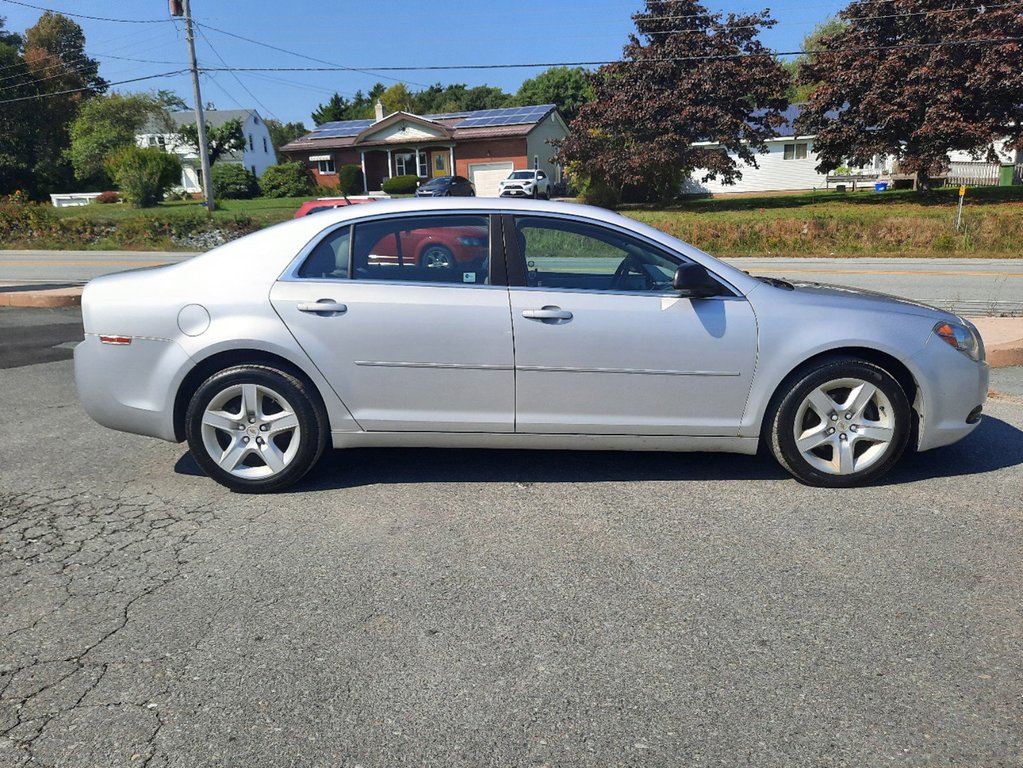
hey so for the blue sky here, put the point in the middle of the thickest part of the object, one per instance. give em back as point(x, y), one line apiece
point(389, 33)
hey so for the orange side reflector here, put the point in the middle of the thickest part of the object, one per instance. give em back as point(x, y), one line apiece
point(122, 340)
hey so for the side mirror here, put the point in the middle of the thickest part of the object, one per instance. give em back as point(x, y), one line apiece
point(693, 281)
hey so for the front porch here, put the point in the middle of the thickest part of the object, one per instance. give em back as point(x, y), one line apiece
point(422, 160)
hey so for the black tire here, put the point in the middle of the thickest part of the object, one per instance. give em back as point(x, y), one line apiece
point(436, 255)
point(252, 409)
point(861, 433)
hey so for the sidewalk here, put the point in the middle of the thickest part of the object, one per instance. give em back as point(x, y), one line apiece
point(1003, 336)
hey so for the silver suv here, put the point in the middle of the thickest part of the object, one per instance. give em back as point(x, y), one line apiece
point(529, 183)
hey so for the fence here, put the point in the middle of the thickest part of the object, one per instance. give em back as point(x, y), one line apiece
point(973, 174)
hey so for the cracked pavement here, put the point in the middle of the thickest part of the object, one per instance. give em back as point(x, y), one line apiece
point(454, 608)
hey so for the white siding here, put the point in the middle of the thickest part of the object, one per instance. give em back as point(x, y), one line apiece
point(1011, 156)
point(257, 157)
point(774, 173)
point(551, 127)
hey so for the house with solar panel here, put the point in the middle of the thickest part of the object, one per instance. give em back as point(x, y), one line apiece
point(484, 146)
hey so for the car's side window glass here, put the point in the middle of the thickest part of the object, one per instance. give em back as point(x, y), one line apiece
point(568, 254)
point(329, 258)
point(431, 249)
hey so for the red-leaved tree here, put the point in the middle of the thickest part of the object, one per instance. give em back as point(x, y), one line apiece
point(687, 76)
point(915, 79)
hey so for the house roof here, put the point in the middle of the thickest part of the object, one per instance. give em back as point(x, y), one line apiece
point(478, 124)
point(214, 117)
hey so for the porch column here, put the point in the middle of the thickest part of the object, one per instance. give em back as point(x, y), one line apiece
point(451, 155)
point(417, 160)
point(390, 167)
point(365, 182)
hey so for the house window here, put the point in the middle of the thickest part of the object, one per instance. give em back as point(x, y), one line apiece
point(250, 142)
point(424, 165)
point(795, 152)
point(253, 170)
point(536, 162)
point(404, 163)
point(325, 165)
point(265, 148)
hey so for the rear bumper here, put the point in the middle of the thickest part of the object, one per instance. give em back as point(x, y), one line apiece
point(131, 388)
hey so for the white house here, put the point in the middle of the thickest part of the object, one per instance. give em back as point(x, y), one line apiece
point(257, 156)
point(789, 164)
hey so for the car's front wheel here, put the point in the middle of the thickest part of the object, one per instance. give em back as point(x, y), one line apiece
point(255, 429)
point(437, 256)
point(841, 424)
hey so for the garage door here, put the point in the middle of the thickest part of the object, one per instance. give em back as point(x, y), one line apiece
point(486, 176)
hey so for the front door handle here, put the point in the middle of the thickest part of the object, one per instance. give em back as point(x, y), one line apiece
point(547, 313)
point(323, 307)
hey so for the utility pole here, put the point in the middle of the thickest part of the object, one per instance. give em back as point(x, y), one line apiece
point(184, 8)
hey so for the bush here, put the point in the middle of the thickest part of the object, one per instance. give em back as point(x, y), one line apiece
point(108, 197)
point(285, 180)
point(349, 180)
point(401, 185)
point(232, 181)
point(143, 174)
point(598, 193)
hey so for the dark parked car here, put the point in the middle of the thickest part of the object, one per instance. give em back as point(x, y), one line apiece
point(446, 186)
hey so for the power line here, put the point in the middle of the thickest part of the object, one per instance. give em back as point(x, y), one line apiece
point(705, 57)
point(80, 90)
point(266, 109)
point(335, 67)
point(91, 18)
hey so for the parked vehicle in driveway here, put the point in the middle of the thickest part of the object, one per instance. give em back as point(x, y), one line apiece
point(552, 326)
point(446, 186)
point(529, 183)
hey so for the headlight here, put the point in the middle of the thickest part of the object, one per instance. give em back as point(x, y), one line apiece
point(965, 339)
point(477, 242)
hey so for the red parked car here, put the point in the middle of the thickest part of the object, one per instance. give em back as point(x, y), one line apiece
point(432, 247)
point(327, 204)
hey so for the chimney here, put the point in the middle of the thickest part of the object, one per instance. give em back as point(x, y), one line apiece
point(379, 110)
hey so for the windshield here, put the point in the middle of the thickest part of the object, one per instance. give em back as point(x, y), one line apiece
point(440, 181)
point(522, 175)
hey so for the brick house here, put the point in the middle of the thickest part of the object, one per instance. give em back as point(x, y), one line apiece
point(484, 146)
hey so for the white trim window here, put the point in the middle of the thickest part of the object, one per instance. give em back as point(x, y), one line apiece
point(424, 165)
point(324, 164)
point(403, 162)
point(794, 152)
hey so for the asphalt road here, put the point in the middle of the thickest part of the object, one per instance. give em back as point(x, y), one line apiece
point(460, 608)
point(969, 286)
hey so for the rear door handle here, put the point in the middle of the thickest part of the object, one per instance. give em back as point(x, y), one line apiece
point(323, 307)
point(547, 313)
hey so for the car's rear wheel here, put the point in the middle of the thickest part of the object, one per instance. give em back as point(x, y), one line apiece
point(255, 429)
point(842, 423)
point(437, 256)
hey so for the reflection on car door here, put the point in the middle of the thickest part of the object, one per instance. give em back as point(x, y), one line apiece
point(602, 350)
point(408, 347)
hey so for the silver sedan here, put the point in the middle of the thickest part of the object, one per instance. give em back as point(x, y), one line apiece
point(513, 324)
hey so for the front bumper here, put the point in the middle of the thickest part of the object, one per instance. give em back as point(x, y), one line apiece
point(515, 192)
point(955, 387)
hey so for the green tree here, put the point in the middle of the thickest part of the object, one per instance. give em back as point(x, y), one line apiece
point(220, 139)
point(397, 99)
point(910, 88)
point(485, 97)
point(799, 92)
point(336, 109)
point(54, 52)
point(17, 127)
point(567, 87)
point(282, 133)
point(143, 175)
point(169, 100)
point(106, 123)
point(652, 110)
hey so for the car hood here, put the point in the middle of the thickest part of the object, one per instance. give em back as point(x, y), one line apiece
point(869, 299)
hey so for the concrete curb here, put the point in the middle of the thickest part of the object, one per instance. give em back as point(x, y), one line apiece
point(48, 298)
point(1003, 336)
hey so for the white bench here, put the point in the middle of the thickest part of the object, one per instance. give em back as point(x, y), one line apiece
point(71, 199)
